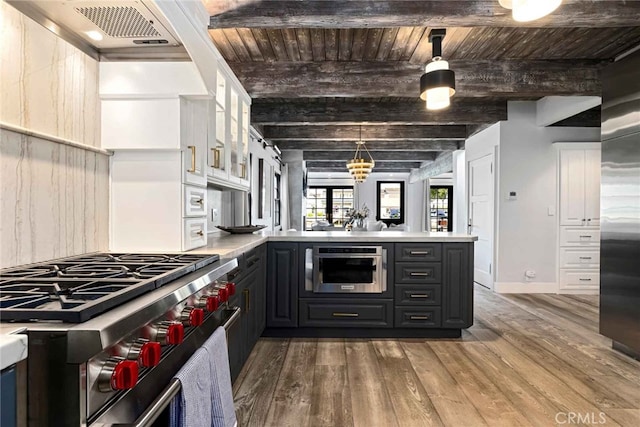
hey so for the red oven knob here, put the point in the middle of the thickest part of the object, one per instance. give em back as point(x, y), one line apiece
point(221, 292)
point(150, 354)
point(146, 352)
point(170, 333)
point(210, 303)
point(191, 316)
point(118, 374)
point(231, 288)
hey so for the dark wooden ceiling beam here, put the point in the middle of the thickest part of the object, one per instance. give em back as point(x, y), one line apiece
point(410, 146)
point(461, 111)
point(474, 78)
point(379, 165)
point(366, 132)
point(391, 156)
point(427, 13)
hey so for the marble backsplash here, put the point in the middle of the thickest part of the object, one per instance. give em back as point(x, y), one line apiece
point(46, 84)
point(55, 200)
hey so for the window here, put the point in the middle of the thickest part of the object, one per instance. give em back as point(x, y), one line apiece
point(390, 202)
point(441, 208)
point(276, 202)
point(328, 204)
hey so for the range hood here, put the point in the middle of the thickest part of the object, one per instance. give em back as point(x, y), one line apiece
point(108, 29)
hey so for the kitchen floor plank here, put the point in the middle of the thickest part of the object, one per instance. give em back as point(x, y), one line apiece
point(409, 399)
point(453, 406)
point(292, 397)
point(253, 396)
point(526, 360)
point(331, 397)
point(370, 401)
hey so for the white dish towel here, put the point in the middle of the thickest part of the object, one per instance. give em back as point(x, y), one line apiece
point(192, 406)
point(224, 412)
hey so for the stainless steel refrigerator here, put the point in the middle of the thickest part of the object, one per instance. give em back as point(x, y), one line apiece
point(620, 205)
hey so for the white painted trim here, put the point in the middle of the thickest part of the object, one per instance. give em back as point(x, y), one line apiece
point(579, 292)
point(52, 138)
point(578, 145)
point(525, 288)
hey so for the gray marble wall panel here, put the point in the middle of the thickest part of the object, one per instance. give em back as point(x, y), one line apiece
point(55, 200)
point(46, 84)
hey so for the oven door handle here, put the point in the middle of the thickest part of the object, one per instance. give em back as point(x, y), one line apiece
point(151, 414)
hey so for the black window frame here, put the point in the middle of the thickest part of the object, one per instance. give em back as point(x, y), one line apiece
point(277, 206)
point(389, 221)
point(329, 200)
point(449, 189)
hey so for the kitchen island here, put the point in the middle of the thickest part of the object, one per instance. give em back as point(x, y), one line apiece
point(427, 292)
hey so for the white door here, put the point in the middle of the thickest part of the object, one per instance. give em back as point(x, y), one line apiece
point(481, 188)
point(592, 187)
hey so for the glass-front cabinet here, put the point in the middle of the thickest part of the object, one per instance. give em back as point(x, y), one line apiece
point(228, 135)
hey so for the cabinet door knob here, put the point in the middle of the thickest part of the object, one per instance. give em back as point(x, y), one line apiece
point(193, 158)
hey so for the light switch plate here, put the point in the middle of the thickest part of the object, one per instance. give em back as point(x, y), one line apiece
point(551, 211)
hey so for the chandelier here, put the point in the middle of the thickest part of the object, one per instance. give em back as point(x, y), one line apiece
point(359, 168)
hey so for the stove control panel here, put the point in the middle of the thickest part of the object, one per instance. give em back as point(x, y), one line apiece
point(119, 367)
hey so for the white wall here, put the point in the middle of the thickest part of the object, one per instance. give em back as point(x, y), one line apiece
point(527, 233)
point(459, 192)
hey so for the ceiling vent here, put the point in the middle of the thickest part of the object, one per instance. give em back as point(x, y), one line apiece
point(119, 21)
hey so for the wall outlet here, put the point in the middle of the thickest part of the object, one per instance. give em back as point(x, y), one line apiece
point(529, 275)
point(551, 211)
point(512, 195)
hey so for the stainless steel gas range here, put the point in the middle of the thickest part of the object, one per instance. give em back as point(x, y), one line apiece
point(107, 332)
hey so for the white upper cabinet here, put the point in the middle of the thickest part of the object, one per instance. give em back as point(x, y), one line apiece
point(580, 187)
point(193, 140)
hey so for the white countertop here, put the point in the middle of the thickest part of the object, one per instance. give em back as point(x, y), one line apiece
point(13, 346)
point(233, 245)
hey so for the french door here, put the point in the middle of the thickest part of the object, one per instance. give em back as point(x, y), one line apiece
point(441, 208)
point(328, 204)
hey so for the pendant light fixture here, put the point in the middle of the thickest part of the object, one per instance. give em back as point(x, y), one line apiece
point(530, 10)
point(438, 83)
point(359, 168)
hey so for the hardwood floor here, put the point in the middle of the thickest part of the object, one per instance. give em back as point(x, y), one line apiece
point(529, 360)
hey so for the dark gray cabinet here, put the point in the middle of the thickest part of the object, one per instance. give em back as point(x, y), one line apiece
point(457, 285)
point(283, 276)
point(346, 313)
point(250, 297)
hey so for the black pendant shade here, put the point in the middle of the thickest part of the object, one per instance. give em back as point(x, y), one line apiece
point(435, 79)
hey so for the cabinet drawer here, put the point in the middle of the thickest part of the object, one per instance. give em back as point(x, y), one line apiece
point(579, 278)
point(195, 201)
point(417, 295)
point(194, 233)
point(579, 258)
point(425, 252)
point(346, 314)
point(418, 317)
point(413, 272)
point(579, 236)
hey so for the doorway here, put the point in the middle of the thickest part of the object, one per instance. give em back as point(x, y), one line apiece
point(481, 195)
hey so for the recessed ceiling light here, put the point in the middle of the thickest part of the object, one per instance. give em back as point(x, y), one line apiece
point(94, 35)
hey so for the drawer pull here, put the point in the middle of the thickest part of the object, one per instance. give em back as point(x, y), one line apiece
point(419, 317)
point(419, 295)
point(345, 315)
point(420, 252)
point(585, 257)
point(585, 280)
point(193, 158)
point(420, 273)
point(586, 237)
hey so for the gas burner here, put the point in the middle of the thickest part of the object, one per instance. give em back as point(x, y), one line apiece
point(79, 288)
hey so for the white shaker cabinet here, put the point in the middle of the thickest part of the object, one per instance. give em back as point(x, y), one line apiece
point(579, 232)
point(580, 187)
point(193, 140)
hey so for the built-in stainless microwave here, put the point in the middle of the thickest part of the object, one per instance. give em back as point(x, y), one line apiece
point(343, 269)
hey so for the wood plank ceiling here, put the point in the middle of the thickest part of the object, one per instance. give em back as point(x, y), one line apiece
point(322, 74)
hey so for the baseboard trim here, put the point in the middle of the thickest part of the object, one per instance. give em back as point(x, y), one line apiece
point(525, 288)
